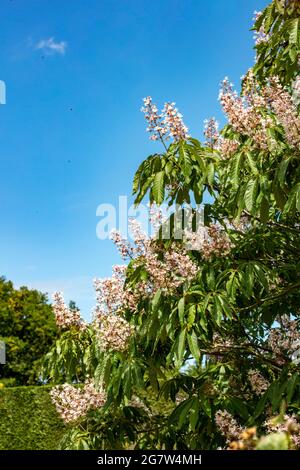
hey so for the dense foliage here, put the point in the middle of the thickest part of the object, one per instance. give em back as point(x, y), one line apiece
point(194, 347)
point(28, 330)
point(28, 419)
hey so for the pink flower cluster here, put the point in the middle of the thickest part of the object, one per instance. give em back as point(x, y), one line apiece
point(211, 241)
point(248, 113)
point(156, 218)
point(284, 341)
point(215, 141)
point(228, 426)
point(73, 403)
point(296, 91)
point(64, 316)
point(109, 291)
point(289, 424)
point(281, 102)
point(174, 123)
point(167, 270)
point(244, 113)
point(258, 383)
point(168, 123)
point(127, 250)
point(228, 147)
point(113, 332)
point(172, 270)
point(211, 133)
point(156, 127)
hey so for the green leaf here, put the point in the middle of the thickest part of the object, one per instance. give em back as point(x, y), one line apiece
point(210, 174)
point(191, 315)
point(279, 196)
point(235, 169)
point(252, 163)
point(260, 274)
point(180, 347)
point(251, 194)
point(240, 407)
point(294, 31)
point(156, 300)
point(179, 414)
point(292, 201)
point(181, 311)
point(194, 414)
point(260, 406)
point(281, 171)
point(264, 210)
point(291, 386)
point(193, 345)
point(158, 190)
point(298, 197)
point(185, 160)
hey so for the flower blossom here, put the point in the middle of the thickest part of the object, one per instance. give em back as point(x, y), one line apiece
point(258, 383)
point(210, 241)
point(214, 140)
point(73, 403)
point(211, 133)
point(284, 341)
point(156, 218)
point(109, 291)
point(168, 123)
point(156, 127)
point(166, 269)
point(113, 332)
point(244, 113)
point(65, 316)
point(281, 102)
point(227, 147)
point(228, 426)
point(174, 123)
point(171, 271)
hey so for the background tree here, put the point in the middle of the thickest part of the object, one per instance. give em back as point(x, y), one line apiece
point(28, 329)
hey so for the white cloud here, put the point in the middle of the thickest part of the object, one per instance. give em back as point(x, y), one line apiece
point(50, 46)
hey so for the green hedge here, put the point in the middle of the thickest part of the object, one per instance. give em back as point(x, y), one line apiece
point(28, 419)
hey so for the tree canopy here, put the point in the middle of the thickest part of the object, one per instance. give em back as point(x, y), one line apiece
point(193, 345)
point(28, 330)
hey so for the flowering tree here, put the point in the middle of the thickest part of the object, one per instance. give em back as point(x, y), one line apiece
point(193, 344)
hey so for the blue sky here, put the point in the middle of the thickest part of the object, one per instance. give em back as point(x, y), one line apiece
point(71, 131)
